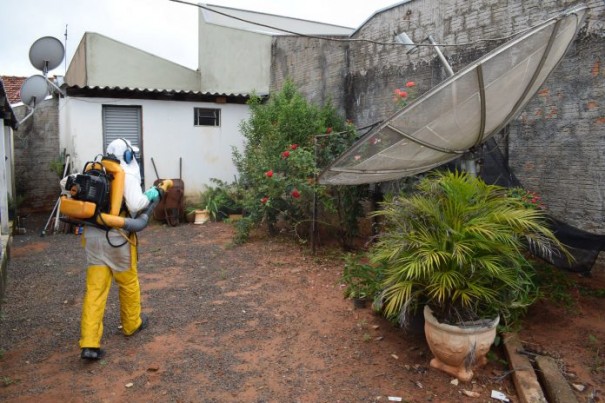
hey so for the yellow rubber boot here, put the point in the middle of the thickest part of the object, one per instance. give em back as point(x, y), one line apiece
point(98, 283)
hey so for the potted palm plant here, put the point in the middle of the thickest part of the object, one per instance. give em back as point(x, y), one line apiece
point(456, 247)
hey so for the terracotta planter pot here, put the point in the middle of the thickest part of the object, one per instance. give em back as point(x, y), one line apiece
point(457, 349)
point(201, 216)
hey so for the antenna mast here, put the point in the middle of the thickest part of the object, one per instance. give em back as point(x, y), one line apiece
point(65, 60)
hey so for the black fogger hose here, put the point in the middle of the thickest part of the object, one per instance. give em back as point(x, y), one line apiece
point(140, 222)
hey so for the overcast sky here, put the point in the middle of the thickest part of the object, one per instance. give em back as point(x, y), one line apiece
point(162, 27)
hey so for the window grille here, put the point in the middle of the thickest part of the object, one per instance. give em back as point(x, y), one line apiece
point(206, 117)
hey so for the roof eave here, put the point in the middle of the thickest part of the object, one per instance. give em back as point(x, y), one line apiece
point(158, 94)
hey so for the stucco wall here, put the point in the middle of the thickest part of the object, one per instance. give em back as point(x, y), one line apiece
point(233, 61)
point(167, 135)
point(556, 146)
point(36, 144)
point(102, 61)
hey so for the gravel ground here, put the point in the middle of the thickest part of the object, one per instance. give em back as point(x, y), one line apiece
point(264, 322)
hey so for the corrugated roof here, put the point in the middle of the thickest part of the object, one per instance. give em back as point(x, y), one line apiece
point(153, 93)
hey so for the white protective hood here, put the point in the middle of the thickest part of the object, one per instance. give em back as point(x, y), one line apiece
point(133, 194)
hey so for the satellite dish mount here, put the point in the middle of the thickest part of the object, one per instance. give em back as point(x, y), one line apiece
point(45, 54)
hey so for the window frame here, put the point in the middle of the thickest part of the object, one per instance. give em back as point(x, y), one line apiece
point(211, 119)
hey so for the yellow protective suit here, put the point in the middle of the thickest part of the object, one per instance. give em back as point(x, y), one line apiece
point(107, 262)
point(98, 284)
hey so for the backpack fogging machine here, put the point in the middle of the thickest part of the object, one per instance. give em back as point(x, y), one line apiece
point(95, 197)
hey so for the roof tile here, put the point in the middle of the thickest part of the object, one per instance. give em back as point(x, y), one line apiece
point(12, 86)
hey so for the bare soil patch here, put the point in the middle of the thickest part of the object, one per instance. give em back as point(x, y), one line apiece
point(263, 322)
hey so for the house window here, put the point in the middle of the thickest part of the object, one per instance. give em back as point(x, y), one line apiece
point(206, 117)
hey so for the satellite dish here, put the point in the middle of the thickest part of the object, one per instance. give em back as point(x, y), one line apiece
point(46, 53)
point(462, 112)
point(34, 90)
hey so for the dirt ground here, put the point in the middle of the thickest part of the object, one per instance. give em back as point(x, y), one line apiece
point(263, 322)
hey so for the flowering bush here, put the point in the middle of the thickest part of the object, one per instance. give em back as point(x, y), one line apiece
point(280, 160)
point(528, 198)
point(403, 95)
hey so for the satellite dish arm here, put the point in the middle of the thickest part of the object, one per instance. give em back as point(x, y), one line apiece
point(57, 88)
point(448, 68)
point(30, 113)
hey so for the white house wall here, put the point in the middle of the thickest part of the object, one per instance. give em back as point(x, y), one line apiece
point(5, 177)
point(167, 135)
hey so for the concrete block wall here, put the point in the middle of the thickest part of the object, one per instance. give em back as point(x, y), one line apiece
point(556, 146)
point(36, 145)
point(318, 67)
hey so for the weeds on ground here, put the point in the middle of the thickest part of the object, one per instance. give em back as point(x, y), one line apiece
point(591, 292)
point(7, 380)
point(556, 286)
point(597, 364)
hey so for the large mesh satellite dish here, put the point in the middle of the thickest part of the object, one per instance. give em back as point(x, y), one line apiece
point(34, 90)
point(46, 53)
point(460, 113)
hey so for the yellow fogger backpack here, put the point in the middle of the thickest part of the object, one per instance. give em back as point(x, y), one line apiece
point(96, 197)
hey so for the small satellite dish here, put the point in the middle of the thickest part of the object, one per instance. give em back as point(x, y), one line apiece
point(460, 113)
point(34, 90)
point(46, 53)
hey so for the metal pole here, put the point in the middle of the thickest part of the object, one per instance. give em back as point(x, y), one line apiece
point(314, 220)
point(155, 169)
point(65, 169)
point(447, 66)
point(52, 213)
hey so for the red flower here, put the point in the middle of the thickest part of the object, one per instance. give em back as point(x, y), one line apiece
point(264, 200)
point(294, 146)
point(402, 94)
point(295, 194)
point(269, 173)
point(410, 84)
point(285, 154)
point(329, 130)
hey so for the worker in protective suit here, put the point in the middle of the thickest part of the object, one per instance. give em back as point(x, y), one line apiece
point(112, 254)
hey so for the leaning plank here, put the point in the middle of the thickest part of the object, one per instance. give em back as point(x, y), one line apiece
point(556, 387)
point(524, 377)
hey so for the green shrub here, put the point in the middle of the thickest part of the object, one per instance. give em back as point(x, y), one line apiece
point(280, 161)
